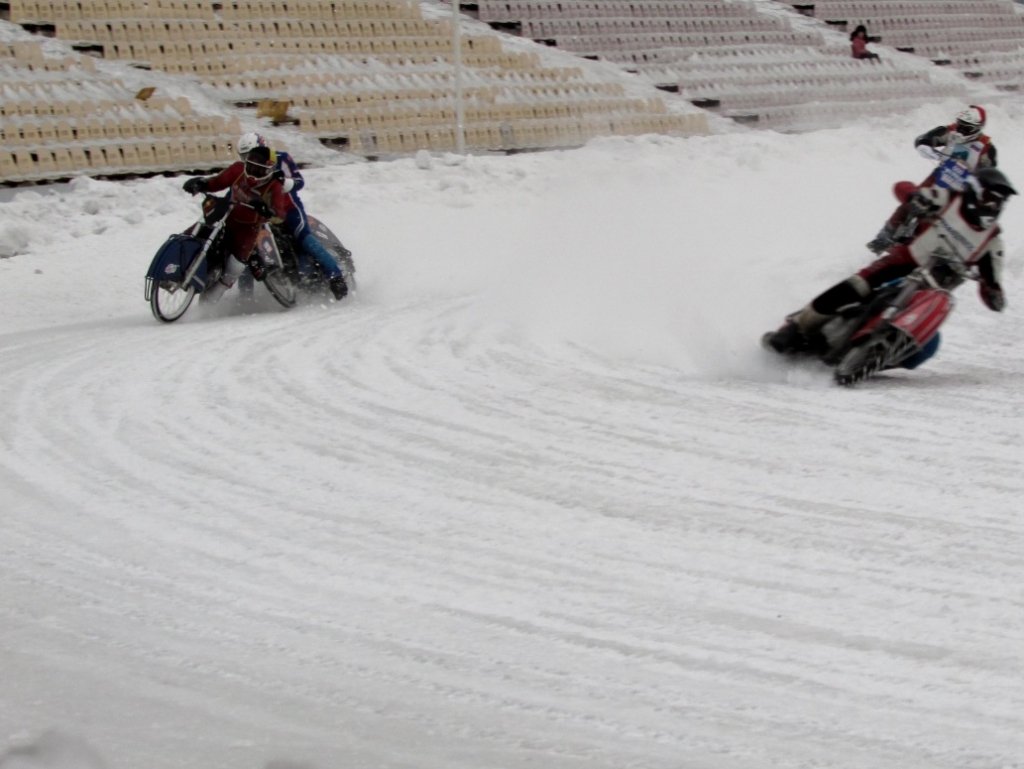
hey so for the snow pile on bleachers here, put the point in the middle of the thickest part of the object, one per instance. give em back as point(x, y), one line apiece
point(60, 117)
point(372, 75)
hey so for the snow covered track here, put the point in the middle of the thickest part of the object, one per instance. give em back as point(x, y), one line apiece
point(507, 509)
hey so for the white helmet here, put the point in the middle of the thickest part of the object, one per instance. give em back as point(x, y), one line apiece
point(970, 123)
point(249, 142)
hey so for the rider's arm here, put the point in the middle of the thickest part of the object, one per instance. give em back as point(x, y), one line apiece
point(988, 157)
point(279, 200)
point(225, 178)
point(934, 138)
point(292, 181)
point(990, 269)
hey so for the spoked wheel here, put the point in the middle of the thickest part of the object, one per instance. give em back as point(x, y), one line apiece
point(282, 288)
point(170, 300)
point(863, 361)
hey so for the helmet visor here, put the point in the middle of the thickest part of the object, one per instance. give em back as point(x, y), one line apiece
point(967, 130)
point(256, 169)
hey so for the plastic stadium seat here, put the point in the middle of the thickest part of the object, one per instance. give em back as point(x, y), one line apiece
point(30, 133)
point(62, 160)
point(8, 169)
point(25, 164)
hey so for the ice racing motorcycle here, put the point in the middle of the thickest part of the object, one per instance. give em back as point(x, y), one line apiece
point(893, 326)
point(861, 327)
point(278, 262)
point(189, 262)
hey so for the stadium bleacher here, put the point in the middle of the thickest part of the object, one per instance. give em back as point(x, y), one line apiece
point(376, 77)
point(373, 76)
point(59, 118)
point(981, 38)
point(729, 56)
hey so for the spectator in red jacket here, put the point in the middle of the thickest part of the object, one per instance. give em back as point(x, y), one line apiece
point(859, 44)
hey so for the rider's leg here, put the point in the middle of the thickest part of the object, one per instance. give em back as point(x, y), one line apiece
point(232, 269)
point(308, 244)
point(904, 192)
point(798, 333)
point(295, 222)
point(239, 240)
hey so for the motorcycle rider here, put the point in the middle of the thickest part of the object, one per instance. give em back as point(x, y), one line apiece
point(966, 221)
point(286, 171)
point(963, 140)
point(253, 185)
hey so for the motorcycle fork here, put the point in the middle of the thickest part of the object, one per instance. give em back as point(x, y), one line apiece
point(197, 262)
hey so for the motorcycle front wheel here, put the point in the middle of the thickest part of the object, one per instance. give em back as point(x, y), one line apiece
point(861, 362)
point(282, 288)
point(170, 300)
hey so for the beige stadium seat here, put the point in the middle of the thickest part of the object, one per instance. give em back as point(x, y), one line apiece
point(25, 107)
point(130, 153)
point(127, 128)
point(78, 157)
point(111, 128)
point(62, 159)
point(158, 125)
point(207, 151)
point(111, 154)
point(93, 130)
point(177, 151)
point(144, 152)
point(47, 132)
point(162, 154)
point(45, 163)
point(30, 133)
point(192, 154)
point(226, 150)
point(8, 169)
point(24, 162)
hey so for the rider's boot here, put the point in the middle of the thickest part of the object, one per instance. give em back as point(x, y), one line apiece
point(798, 334)
point(329, 265)
point(232, 269)
point(339, 287)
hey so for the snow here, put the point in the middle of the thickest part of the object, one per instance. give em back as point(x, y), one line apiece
point(533, 497)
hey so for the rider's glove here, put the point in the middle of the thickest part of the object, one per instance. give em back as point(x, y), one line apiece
point(195, 185)
point(992, 296)
point(279, 175)
point(260, 207)
point(920, 204)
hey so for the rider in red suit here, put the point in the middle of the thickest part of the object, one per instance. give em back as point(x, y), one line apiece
point(252, 183)
point(966, 222)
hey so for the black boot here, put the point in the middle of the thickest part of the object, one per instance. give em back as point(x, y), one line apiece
point(339, 287)
point(788, 340)
point(256, 267)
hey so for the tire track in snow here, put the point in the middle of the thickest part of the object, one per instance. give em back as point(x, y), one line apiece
point(386, 515)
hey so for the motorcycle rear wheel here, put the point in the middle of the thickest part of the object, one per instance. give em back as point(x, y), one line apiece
point(170, 301)
point(282, 288)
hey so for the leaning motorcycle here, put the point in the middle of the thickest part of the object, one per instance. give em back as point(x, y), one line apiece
point(893, 325)
point(278, 261)
point(189, 262)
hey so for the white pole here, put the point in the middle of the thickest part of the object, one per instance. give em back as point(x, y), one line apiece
point(460, 138)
